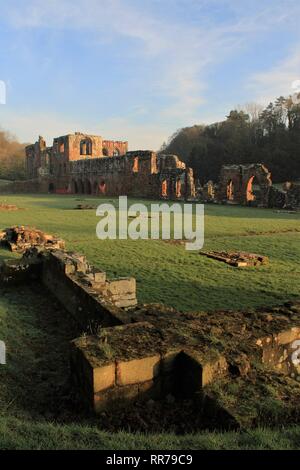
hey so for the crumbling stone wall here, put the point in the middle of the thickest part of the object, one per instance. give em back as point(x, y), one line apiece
point(236, 184)
point(42, 160)
point(142, 352)
point(87, 164)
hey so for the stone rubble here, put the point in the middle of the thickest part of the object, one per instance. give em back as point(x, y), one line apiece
point(20, 238)
point(237, 259)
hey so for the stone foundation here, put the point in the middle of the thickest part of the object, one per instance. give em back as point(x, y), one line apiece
point(149, 352)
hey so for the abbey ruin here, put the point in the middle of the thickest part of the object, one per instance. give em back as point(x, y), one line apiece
point(87, 164)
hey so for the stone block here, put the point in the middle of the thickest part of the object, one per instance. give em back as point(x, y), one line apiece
point(214, 369)
point(288, 336)
point(124, 303)
point(121, 286)
point(103, 377)
point(137, 370)
point(99, 277)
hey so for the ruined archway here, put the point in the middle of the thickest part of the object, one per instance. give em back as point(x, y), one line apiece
point(51, 188)
point(230, 191)
point(87, 187)
point(245, 184)
point(102, 187)
point(178, 188)
point(105, 152)
point(257, 185)
point(135, 166)
point(74, 187)
point(95, 187)
point(164, 188)
point(86, 147)
point(80, 187)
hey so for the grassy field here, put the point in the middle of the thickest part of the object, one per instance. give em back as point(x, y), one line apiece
point(34, 395)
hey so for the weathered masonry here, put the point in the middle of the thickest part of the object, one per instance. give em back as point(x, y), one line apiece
point(147, 352)
point(238, 182)
point(87, 164)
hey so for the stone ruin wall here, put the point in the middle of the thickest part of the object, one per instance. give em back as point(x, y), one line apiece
point(140, 352)
point(236, 183)
point(85, 164)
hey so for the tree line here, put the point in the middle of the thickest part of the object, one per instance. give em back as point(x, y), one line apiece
point(12, 157)
point(251, 134)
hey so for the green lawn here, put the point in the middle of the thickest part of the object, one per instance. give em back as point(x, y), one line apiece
point(34, 397)
point(170, 274)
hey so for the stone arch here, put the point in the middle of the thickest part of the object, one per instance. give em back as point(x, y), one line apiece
point(178, 188)
point(61, 146)
point(116, 152)
point(74, 187)
point(51, 188)
point(80, 187)
point(95, 187)
point(87, 187)
point(105, 152)
point(230, 189)
point(86, 146)
point(164, 188)
point(256, 185)
point(135, 166)
point(102, 187)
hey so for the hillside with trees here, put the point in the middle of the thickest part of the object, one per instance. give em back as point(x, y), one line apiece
point(253, 134)
point(12, 157)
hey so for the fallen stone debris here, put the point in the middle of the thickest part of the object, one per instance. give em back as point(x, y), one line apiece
point(238, 259)
point(142, 359)
point(84, 206)
point(20, 238)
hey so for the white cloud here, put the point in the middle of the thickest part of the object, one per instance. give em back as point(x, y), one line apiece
point(277, 81)
point(178, 53)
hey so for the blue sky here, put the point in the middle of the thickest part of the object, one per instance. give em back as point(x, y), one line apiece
point(138, 70)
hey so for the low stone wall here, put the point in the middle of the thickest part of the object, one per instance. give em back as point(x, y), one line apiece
point(143, 352)
point(165, 352)
point(83, 291)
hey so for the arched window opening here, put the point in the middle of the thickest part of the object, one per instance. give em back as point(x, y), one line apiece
point(86, 147)
point(116, 152)
point(178, 188)
point(253, 191)
point(164, 188)
point(87, 187)
point(135, 167)
point(74, 187)
point(102, 187)
point(95, 187)
point(80, 187)
point(230, 191)
point(61, 147)
point(105, 152)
